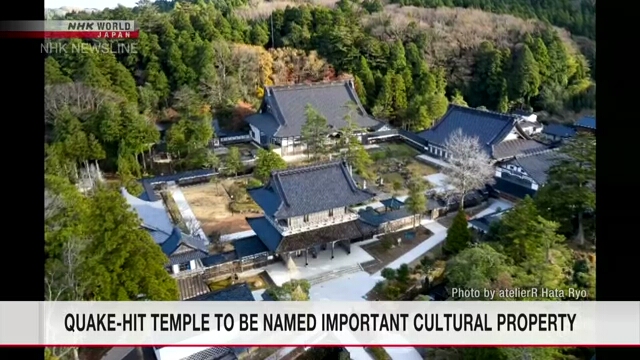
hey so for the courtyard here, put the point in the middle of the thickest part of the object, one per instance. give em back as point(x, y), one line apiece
point(216, 210)
point(388, 248)
point(395, 164)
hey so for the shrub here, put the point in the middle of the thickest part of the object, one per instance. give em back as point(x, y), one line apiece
point(253, 183)
point(403, 273)
point(388, 273)
point(386, 243)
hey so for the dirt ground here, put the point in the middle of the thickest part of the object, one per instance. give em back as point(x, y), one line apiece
point(210, 204)
point(385, 257)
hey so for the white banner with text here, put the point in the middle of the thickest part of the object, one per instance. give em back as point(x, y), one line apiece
point(414, 323)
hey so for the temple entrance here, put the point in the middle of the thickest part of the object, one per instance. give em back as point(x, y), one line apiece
point(316, 254)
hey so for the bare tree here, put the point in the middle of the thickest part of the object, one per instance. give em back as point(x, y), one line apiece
point(77, 97)
point(62, 283)
point(469, 167)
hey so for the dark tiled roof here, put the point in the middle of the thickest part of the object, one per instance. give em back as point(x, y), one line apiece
point(266, 198)
point(217, 259)
point(537, 165)
point(238, 292)
point(268, 234)
point(511, 148)
point(485, 222)
point(185, 257)
point(304, 190)
point(374, 218)
point(221, 133)
point(489, 127)
point(192, 286)
point(587, 122)
point(392, 203)
point(177, 238)
point(249, 247)
point(344, 231)
point(512, 189)
point(265, 122)
point(559, 130)
point(435, 203)
point(287, 105)
point(148, 183)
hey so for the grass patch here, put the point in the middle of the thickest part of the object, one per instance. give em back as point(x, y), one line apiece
point(220, 284)
point(378, 353)
point(241, 202)
point(256, 282)
point(419, 169)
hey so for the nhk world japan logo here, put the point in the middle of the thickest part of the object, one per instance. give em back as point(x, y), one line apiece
point(70, 29)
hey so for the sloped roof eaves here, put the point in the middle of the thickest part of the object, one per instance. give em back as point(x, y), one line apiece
point(177, 238)
point(344, 231)
point(186, 257)
point(537, 166)
point(559, 130)
point(265, 122)
point(266, 199)
point(305, 190)
point(511, 148)
point(376, 219)
point(288, 105)
point(249, 246)
point(238, 292)
point(489, 127)
point(587, 122)
point(268, 234)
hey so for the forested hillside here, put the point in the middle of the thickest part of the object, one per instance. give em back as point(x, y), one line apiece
point(201, 59)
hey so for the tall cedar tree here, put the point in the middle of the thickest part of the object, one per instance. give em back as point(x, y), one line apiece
point(314, 132)
point(417, 201)
point(266, 162)
point(354, 153)
point(122, 260)
point(459, 235)
point(570, 189)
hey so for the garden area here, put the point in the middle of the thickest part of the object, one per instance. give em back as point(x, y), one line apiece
point(409, 281)
point(255, 282)
point(388, 248)
point(221, 205)
point(395, 164)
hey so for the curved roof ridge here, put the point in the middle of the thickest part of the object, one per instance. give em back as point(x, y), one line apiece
point(315, 84)
point(496, 113)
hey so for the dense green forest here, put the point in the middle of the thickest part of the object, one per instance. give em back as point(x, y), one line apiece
point(197, 60)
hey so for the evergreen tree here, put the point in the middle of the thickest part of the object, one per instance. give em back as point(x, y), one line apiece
point(417, 201)
point(314, 132)
point(459, 235)
point(525, 82)
point(266, 162)
point(233, 162)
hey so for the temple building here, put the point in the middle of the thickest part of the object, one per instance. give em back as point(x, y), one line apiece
point(503, 136)
point(308, 209)
point(185, 252)
point(282, 115)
